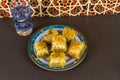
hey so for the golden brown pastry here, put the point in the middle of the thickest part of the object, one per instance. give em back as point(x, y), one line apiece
point(57, 59)
point(41, 49)
point(59, 43)
point(69, 33)
point(75, 49)
point(48, 37)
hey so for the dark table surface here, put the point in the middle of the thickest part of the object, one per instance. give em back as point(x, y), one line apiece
point(101, 63)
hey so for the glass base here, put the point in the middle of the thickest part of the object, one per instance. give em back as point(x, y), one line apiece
point(24, 33)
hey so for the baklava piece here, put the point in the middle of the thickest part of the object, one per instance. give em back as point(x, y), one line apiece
point(57, 59)
point(75, 49)
point(41, 49)
point(69, 33)
point(48, 37)
point(59, 43)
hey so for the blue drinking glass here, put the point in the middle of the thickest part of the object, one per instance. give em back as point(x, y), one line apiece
point(22, 18)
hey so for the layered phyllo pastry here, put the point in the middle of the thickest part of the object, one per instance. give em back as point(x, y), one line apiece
point(75, 49)
point(59, 43)
point(48, 36)
point(57, 59)
point(41, 49)
point(69, 33)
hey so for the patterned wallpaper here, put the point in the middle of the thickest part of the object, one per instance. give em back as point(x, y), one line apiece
point(55, 8)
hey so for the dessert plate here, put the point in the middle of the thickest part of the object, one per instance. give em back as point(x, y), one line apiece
point(43, 62)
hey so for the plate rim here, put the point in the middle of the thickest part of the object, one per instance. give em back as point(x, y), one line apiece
point(50, 69)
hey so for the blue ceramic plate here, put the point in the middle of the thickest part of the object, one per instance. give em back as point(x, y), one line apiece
point(43, 63)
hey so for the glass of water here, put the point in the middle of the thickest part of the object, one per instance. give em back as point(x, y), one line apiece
point(22, 18)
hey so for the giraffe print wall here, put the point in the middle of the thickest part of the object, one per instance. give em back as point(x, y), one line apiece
point(55, 8)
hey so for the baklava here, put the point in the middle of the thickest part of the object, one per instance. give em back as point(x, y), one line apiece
point(57, 59)
point(69, 33)
point(41, 49)
point(75, 49)
point(59, 43)
point(48, 37)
